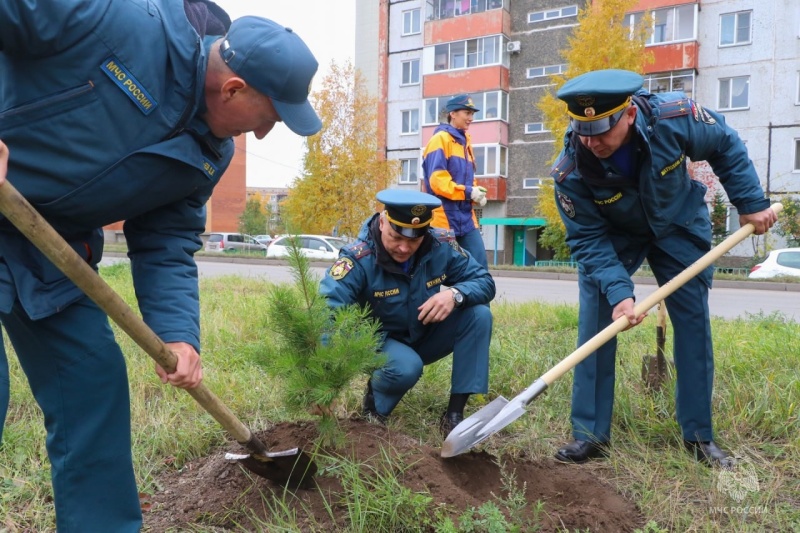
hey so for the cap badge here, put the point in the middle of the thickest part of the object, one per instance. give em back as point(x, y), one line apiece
point(415, 221)
point(418, 210)
point(584, 100)
point(589, 112)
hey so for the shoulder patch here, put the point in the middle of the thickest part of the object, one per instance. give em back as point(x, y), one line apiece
point(700, 114)
point(341, 268)
point(675, 108)
point(566, 204)
point(562, 168)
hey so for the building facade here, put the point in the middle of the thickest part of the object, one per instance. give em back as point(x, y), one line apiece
point(740, 57)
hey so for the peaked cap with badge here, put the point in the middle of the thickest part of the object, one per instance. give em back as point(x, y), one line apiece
point(277, 63)
point(461, 101)
point(596, 100)
point(409, 212)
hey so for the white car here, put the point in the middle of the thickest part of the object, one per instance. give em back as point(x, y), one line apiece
point(316, 247)
point(783, 262)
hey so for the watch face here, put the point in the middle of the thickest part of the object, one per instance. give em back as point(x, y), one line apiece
point(458, 298)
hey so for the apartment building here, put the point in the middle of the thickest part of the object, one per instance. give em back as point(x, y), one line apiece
point(740, 57)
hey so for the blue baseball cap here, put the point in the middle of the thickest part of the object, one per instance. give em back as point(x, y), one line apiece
point(408, 212)
point(596, 100)
point(461, 101)
point(277, 63)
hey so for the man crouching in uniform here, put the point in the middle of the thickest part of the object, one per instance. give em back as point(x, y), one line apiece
point(398, 267)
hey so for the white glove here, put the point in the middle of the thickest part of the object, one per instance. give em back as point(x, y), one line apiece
point(479, 196)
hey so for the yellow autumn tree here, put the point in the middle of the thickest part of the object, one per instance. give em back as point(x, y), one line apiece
point(603, 39)
point(343, 169)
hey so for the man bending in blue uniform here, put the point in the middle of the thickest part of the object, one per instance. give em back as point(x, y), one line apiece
point(625, 195)
point(399, 267)
point(122, 110)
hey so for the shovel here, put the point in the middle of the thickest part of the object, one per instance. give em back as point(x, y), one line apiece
point(289, 467)
point(500, 412)
point(654, 367)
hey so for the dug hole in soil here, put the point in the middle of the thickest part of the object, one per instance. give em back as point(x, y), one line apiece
point(212, 494)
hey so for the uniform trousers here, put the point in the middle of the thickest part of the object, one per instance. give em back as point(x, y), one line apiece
point(78, 377)
point(466, 333)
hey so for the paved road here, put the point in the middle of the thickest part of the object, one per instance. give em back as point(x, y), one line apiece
point(727, 300)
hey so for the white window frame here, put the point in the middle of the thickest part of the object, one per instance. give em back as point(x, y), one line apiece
point(412, 22)
point(484, 101)
point(408, 119)
point(726, 86)
point(551, 14)
point(673, 13)
point(796, 166)
point(491, 160)
point(470, 53)
point(407, 165)
point(659, 82)
point(408, 69)
point(535, 127)
point(736, 15)
point(534, 183)
point(548, 70)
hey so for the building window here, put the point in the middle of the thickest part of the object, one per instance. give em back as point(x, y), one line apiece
point(442, 9)
point(679, 80)
point(535, 127)
point(670, 24)
point(797, 155)
point(409, 170)
point(734, 93)
point(550, 14)
point(493, 105)
point(735, 28)
point(534, 183)
point(410, 72)
point(468, 54)
point(550, 70)
point(412, 22)
point(490, 160)
point(410, 121)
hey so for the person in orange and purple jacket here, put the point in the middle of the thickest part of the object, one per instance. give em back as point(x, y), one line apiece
point(449, 168)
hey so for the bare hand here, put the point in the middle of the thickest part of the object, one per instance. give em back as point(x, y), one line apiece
point(188, 371)
point(625, 308)
point(3, 162)
point(761, 221)
point(437, 308)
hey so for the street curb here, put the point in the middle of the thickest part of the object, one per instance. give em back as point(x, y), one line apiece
point(560, 276)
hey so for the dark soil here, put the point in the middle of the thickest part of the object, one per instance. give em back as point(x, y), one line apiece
point(211, 494)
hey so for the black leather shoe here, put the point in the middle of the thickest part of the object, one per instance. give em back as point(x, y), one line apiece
point(710, 454)
point(580, 451)
point(448, 422)
point(368, 410)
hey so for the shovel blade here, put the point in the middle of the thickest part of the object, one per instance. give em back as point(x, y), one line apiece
point(291, 468)
point(465, 435)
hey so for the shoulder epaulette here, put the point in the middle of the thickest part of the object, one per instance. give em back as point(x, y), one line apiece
point(675, 108)
point(443, 235)
point(359, 249)
point(561, 169)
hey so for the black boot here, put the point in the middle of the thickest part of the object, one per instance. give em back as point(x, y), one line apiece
point(710, 454)
point(368, 410)
point(580, 451)
point(449, 421)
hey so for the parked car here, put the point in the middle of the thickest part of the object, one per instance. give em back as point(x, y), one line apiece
point(263, 239)
point(319, 247)
point(233, 242)
point(783, 262)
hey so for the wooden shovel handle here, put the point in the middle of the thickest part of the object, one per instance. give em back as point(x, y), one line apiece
point(590, 346)
point(31, 224)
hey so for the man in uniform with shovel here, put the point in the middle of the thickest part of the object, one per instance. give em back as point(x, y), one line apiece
point(625, 195)
point(122, 110)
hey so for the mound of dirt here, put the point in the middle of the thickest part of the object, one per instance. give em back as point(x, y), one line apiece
point(211, 494)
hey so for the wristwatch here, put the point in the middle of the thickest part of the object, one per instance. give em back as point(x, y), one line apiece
point(458, 298)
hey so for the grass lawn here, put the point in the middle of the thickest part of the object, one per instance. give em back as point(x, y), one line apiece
point(756, 404)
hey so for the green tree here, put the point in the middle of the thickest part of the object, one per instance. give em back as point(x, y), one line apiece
point(719, 218)
point(601, 40)
point(343, 167)
point(788, 225)
point(253, 221)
